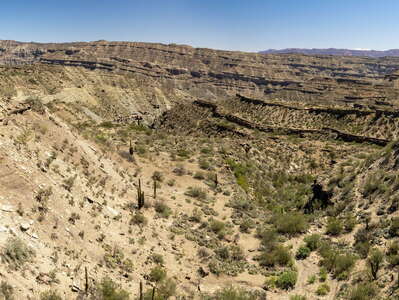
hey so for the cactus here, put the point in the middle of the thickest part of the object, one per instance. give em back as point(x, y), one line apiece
point(140, 196)
point(216, 180)
point(155, 189)
point(130, 148)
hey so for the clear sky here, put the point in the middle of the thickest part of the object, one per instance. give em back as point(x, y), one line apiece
point(247, 25)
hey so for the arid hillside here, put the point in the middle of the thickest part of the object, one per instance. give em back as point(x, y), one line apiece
point(196, 174)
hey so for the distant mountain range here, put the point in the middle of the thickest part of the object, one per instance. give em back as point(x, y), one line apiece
point(334, 51)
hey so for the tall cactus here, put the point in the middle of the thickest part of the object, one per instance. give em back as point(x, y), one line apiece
point(140, 196)
point(155, 189)
point(130, 148)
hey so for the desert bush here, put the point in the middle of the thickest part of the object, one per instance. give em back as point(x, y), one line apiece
point(312, 241)
point(157, 258)
point(183, 153)
point(240, 171)
point(196, 215)
point(69, 182)
point(204, 164)
point(290, 223)
point(196, 192)
point(323, 289)
point(109, 290)
point(231, 293)
point(246, 225)
point(199, 175)
point(16, 252)
point(362, 241)
point(297, 297)
point(50, 295)
point(278, 255)
point(311, 279)
point(36, 104)
point(240, 203)
point(334, 226)
point(302, 252)
point(287, 280)
point(375, 261)
point(162, 209)
point(164, 290)
point(268, 237)
point(338, 263)
point(393, 254)
point(217, 226)
point(138, 219)
point(179, 170)
point(394, 227)
point(363, 291)
point(157, 274)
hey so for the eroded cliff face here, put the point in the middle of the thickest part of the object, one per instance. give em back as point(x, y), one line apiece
point(214, 74)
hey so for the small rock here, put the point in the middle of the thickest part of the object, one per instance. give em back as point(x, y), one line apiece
point(75, 288)
point(7, 208)
point(109, 211)
point(203, 272)
point(25, 226)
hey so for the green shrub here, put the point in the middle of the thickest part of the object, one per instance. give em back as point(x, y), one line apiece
point(232, 293)
point(217, 226)
point(312, 241)
point(302, 253)
point(240, 172)
point(109, 290)
point(363, 291)
point(394, 228)
point(268, 237)
point(50, 295)
point(199, 175)
point(164, 290)
point(279, 255)
point(311, 279)
point(297, 297)
point(162, 209)
point(286, 280)
point(196, 192)
point(183, 153)
point(157, 274)
point(323, 289)
point(138, 219)
point(338, 263)
point(393, 254)
point(375, 261)
point(362, 248)
point(204, 164)
point(17, 253)
point(334, 226)
point(290, 223)
point(246, 225)
point(323, 274)
point(157, 258)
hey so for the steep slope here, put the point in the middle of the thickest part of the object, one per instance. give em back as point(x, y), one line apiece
point(226, 147)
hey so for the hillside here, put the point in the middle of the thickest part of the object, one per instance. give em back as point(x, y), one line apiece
point(274, 175)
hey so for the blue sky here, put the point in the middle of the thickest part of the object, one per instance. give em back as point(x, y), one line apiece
point(247, 25)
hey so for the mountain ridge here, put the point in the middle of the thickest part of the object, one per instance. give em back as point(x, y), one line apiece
point(334, 51)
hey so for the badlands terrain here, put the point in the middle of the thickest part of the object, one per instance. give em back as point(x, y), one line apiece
point(190, 173)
